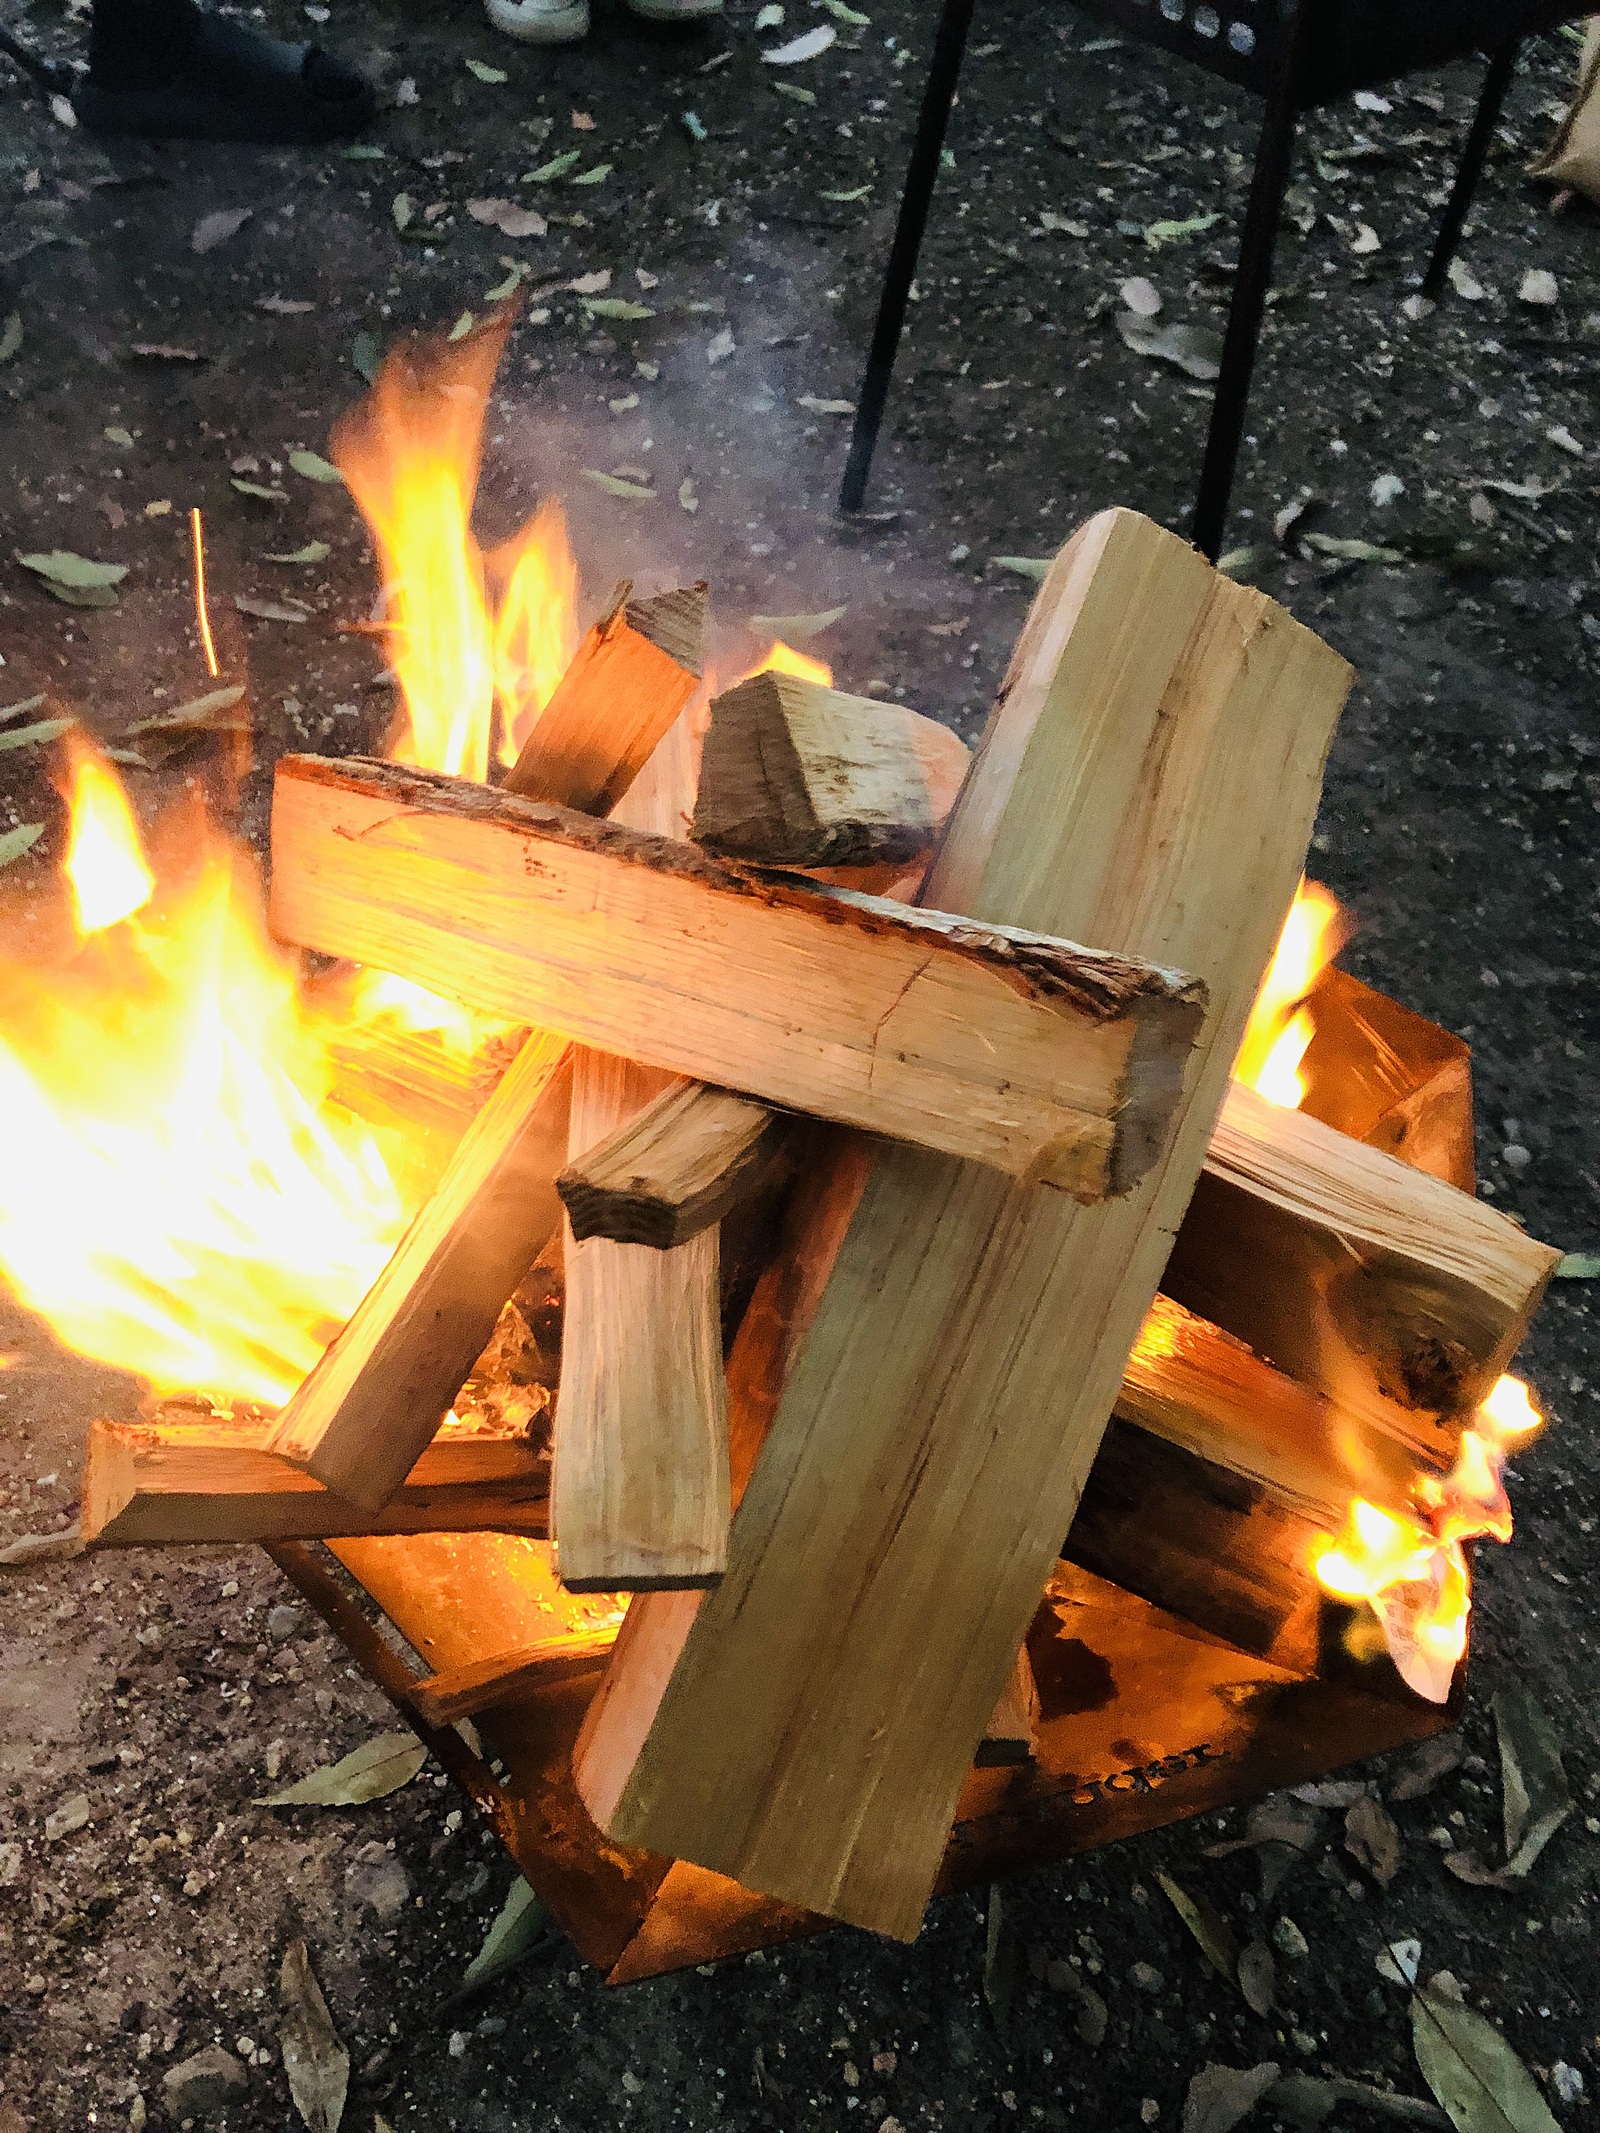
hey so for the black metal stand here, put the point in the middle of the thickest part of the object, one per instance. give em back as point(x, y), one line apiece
point(950, 42)
point(1496, 82)
point(1274, 153)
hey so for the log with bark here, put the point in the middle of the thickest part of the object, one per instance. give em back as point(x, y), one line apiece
point(1007, 1045)
point(1148, 782)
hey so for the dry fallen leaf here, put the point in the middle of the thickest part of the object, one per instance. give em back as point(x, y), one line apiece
point(1220, 2096)
point(814, 406)
point(165, 352)
point(312, 552)
point(315, 468)
point(39, 736)
point(1001, 1960)
point(75, 579)
point(509, 219)
point(1258, 1977)
point(688, 495)
point(271, 610)
point(796, 629)
point(217, 227)
point(370, 1772)
point(284, 306)
point(615, 485)
point(1372, 1838)
point(492, 75)
point(316, 2063)
point(10, 336)
point(808, 46)
point(1535, 1797)
point(720, 346)
point(1211, 1932)
point(1196, 350)
point(1473, 2071)
point(1140, 296)
point(595, 284)
point(521, 1924)
point(12, 846)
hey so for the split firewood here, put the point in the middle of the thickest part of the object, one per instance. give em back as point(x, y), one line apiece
point(1013, 1047)
point(363, 1416)
point(640, 1493)
point(676, 1167)
point(1396, 1295)
point(795, 774)
point(1013, 1729)
point(444, 1699)
point(183, 1478)
point(631, 677)
point(1149, 782)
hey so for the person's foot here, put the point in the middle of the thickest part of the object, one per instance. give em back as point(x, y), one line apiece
point(675, 10)
point(217, 81)
point(540, 21)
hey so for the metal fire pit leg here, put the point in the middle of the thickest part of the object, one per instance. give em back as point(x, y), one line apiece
point(950, 42)
point(1495, 84)
point(1267, 188)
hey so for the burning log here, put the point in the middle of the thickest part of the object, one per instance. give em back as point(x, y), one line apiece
point(190, 1478)
point(806, 1727)
point(443, 1699)
point(794, 774)
point(676, 1167)
point(1388, 1290)
point(1012, 1047)
point(365, 1413)
point(640, 1498)
point(632, 676)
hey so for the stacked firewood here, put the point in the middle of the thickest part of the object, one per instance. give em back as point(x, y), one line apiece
point(888, 1088)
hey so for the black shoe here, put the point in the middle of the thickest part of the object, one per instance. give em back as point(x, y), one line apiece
point(232, 84)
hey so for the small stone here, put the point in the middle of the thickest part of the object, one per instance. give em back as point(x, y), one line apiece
point(1567, 2082)
point(1145, 1977)
point(960, 552)
point(204, 2086)
point(282, 1622)
point(1515, 1156)
point(891, 2125)
point(1539, 286)
point(1288, 1939)
point(230, 1590)
point(1303, 2044)
point(884, 2062)
point(376, 1879)
point(10, 1865)
point(631, 2083)
point(458, 2044)
point(34, 1986)
point(193, 1885)
point(73, 1813)
point(137, 2113)
point(1385, 489)
point(852, 2074)
point(1149, 2111)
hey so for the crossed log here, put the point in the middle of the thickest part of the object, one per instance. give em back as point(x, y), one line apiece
point(1148, 783)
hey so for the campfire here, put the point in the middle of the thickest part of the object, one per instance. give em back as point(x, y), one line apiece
point(869, 1315)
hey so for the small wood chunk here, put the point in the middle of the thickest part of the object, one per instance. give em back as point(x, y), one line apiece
point(1013, 1729)
point(1149, 779)
point(795, 774)
point(632, 675)
point(1049, 1061)
point(676, 1167)
point(361, 1419)
point(444, 1698)
point(190, 1480)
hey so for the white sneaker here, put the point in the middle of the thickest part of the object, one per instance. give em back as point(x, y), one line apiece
point(541, 21)
point(675, 10)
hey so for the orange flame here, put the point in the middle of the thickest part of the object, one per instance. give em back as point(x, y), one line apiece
point(1281, 1026)
point(410, 453)
point(1414, 1577)
point(184, 1194)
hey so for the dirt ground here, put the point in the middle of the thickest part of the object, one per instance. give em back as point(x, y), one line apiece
point(1458, 822)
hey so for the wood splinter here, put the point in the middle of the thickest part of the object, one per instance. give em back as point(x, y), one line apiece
point(676, 1168)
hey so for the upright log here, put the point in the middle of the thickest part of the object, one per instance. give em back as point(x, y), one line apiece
point(362, 1418)
point(639, 1496)
point(1148, 782)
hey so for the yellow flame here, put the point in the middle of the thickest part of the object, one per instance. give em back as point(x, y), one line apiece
point(186, 1193)
point(105, 861)
point(410, 454)
point(1281, 1027)
point(1413, 1575)
point(781, 658)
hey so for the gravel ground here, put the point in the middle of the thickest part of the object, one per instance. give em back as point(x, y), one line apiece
point(148, 1925)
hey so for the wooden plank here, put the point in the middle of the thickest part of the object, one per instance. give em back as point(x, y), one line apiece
point(640, 1496)
point(179, 1480)
point(1149, 781)
point(676, 1167)
point(795, 774)
point(361, 1419)
point(628, 681)
point(1012, 1047)
point(444, 1698)
point(1396, 1295)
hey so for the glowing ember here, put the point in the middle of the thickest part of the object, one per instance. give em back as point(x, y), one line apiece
point(1413, 1576)
point(1281, 1026)
point(410, 454)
